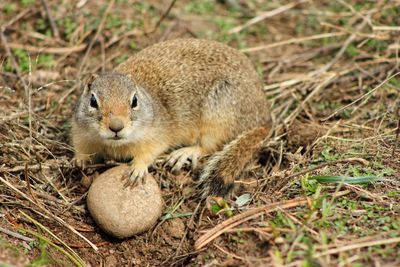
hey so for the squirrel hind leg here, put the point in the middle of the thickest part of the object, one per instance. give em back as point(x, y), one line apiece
point(214, 180)
point(225, 166)
point(217, 177)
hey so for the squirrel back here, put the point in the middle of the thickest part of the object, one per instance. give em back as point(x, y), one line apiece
point(182, 72)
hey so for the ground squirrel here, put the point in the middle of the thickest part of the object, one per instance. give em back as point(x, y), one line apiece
point(194, 95)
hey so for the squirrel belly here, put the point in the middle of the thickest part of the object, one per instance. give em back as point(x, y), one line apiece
point(195, 94)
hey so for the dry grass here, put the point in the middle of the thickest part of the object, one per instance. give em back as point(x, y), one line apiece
point(331, 72)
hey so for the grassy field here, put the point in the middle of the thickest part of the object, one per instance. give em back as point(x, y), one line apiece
point(324, 190)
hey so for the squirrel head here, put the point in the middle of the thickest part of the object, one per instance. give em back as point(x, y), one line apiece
point(114, 108)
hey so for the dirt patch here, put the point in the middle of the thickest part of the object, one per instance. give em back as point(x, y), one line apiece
point(304, 134)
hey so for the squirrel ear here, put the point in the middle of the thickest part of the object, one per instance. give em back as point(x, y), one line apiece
point(89, 82)
point(91, 79)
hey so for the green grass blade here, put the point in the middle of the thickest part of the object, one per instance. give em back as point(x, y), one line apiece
point(169, 216)
point(76, 258)
point(77, 261)
point(346, 179)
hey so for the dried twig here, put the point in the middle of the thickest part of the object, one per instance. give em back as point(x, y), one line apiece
point(116, 39)
point(53, 25)
point(386, 28)
point(362, 192)
point(330, 163)
point(16, 235)
point(96, 36)
point(29, 183)
point(361, 97)
point(230, 254)
point(16, 18)
point(293, 41)
point(342, 50)
point(20, 114)
point(103, 54)
point(397, 131)
point(265, 15)
point(245, 216)
point(187, 228)
point(357, 246)
point(163, 16)
point(49, 50)
point(13, 61)
point(48, 213)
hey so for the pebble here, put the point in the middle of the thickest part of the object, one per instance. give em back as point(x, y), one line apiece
point(123, 212)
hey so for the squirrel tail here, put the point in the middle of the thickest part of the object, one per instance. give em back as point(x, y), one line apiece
point(225, 166)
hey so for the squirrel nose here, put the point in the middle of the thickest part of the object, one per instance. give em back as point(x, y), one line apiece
point(116, 125)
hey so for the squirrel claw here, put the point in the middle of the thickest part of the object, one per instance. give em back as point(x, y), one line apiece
point(80, 163)
point(183, 156)
point(134, 176)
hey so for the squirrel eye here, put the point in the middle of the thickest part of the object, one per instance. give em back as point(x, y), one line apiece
point(134, 102)
point(93, 102)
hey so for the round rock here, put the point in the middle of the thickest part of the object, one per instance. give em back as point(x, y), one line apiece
point(120, 211)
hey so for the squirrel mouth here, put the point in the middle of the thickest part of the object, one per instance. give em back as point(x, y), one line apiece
point(116, 137)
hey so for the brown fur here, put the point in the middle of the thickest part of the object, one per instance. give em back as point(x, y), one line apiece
point(194, 93)
point(225, 166)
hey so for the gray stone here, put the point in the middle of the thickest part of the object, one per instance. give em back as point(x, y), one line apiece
point(123, 212)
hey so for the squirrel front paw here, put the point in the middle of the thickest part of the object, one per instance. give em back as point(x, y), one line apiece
point(80, 163)
point(135, 175)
